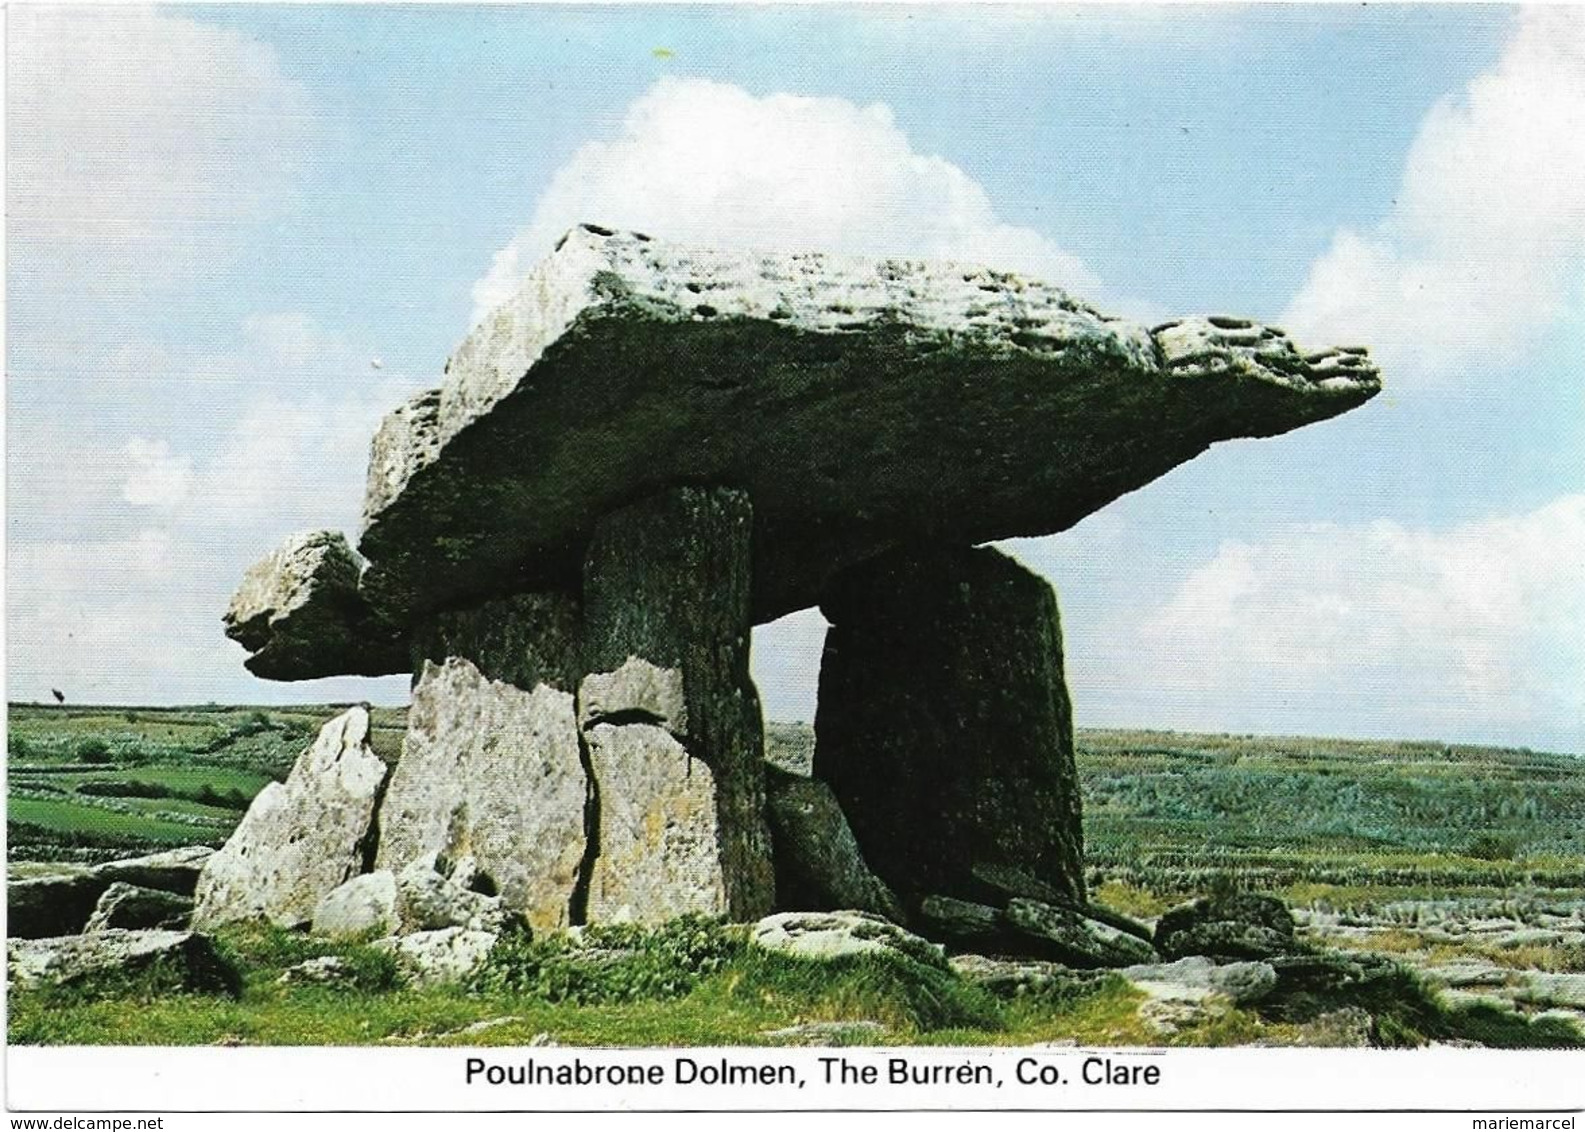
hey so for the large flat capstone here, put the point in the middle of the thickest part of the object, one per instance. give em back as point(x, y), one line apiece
point(859, 403)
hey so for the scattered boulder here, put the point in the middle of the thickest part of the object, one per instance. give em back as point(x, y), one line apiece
point(324, 970)
point(177, 960)
point(364, 907)
point(301, 839)
point(1237, 926)
point(40, 907)
point(445, 956)
point(842, 935)
point(125, 905)
point(1015, 978)
point(1073, 938)
point(492, 772)
point(298, 610)
point(437, 892)
point(1196, 977)
point(859, 402)
point(944, 726)
point(818, 863)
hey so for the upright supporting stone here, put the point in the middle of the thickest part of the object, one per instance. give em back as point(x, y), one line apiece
point(522, 640)
point(944, 725)
point(493, 772)
point(667, 582)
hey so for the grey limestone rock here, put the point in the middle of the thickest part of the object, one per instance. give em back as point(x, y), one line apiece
point(944, 726)
point(859, 402)
point(525, 640)
point(184, 960)
point(124, 905)
point(818, 863)
point(301, 838)
point(448, 955)
point(299, 612)
point(365, 906)
point(491, 772)
point(1235, 926)
point(666, 598)
point(40, 907)
point(1072, 938)
point(437, 891)
point(840, 935)
point(1195, 977)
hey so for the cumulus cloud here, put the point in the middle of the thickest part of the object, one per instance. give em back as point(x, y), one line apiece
point(1482, 251)
point(127, 128)
point(710, 163)
point(1474, 630)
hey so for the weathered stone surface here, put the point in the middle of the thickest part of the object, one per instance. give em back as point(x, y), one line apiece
point(667, 582)
point(299, 839)
point(818, 863)
point(184, 960)
point(445, 956)
point(523, 640)
point(1238, 926)
point(944, 726)
point(173, 870)
point(437, 892)
point(40, 907)
point(323, 970)
point(1075, 939)
point(841, 935)
point(125, 905)
point(298, 610)
point(660, 828)
point(1016, 978)
point(364, 906)
point(637, 692)
point(961, 922)
point(1196, 977)
point(492, 772)
point(860, 404)
point(844, 1032)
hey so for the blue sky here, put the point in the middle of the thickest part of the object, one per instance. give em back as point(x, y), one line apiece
point(220, 217)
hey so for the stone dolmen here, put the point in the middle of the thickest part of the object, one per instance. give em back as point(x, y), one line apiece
point(646, 452)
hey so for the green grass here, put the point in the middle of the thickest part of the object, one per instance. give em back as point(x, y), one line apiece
point(67, 817)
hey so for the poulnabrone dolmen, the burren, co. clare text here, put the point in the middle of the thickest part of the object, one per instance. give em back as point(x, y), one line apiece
point(646, 452)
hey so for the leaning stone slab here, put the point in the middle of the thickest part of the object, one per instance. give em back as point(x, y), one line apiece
point(182, 960)
point(445, 956)
point(299, 839)
point(173, 870)
point(860, 403)
point(1075, 939)
point(844, 934)
point(492, 772)
point(298, 610)
point(127, 906)
point(818, 863)
point(1242, 925)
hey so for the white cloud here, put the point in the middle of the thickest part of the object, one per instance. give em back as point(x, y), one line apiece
point(156, 477)
point(128, 127)
point(1484, 247)
point(1476, 630)
point(705, 162)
